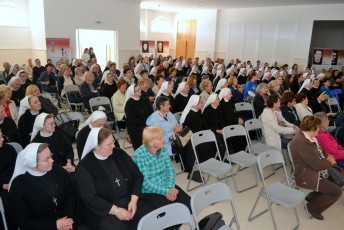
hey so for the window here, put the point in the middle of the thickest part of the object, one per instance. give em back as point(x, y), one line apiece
point(160, 25)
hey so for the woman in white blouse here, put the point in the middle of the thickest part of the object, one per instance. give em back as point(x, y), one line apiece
point(301, 107)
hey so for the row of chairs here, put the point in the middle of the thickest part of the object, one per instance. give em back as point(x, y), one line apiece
point(278, 193)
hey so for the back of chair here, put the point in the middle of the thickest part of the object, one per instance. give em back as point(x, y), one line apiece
point(291, 159)
point(333, 102)
point(76, 116)
point(253, 124)
point(165, 217)
point(178, 115)
point(71, 89)
point(234, 131)
point(209, 195)
point(100, 101)
point(204, 136)
point(47, 95)
point(244, 106)
point(16, 146)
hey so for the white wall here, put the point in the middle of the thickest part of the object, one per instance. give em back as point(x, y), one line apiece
point(271, 33)
point(205, 30)
point(63, 17)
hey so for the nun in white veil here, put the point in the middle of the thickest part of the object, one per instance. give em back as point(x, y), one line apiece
point(41, 194)
point(181, 97)
point(223, 83)
point(166, 90)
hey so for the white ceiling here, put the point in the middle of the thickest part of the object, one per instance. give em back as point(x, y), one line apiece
point(177, 5)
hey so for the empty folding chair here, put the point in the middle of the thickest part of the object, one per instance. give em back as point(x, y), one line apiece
point(209, 195)
point(245, 106)
point(211, 167)
point(2, 210)
point(166, 216)
point(277, 193)
point(241, 158)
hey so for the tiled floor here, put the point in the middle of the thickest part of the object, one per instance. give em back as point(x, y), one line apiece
point(244, 202)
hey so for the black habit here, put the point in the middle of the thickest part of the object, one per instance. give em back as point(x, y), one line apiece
point(37, 202)
point(102, 183)
point(180, 102)
point(25, 126)
point(9, 130)
point(137, 112)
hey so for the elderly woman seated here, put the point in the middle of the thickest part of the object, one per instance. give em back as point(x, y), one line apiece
point(274, 124)
point(109, 185)
point(41, 195)
point(327, 141)
point(159, 183)
point(311, 168)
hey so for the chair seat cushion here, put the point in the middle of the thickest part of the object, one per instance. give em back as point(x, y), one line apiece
point(215, 167)
point(243, 159)
point(285, 196)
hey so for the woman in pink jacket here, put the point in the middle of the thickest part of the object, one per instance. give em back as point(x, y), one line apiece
point(328, 143)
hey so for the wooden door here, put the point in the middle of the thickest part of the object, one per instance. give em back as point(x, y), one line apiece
point(186, 38)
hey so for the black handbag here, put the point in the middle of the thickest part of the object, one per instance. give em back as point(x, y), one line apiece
point(336, 175)
point(68, 126)
point(180, 139)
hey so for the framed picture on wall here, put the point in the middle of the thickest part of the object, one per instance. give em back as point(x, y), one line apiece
point(160, 46)
point(145, 46)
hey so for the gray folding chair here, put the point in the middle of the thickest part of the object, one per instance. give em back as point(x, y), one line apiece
point(166, 216)
point(241, 158)
point(245, 106)
point(259, 147)
point(333, 102)
point(209, 195)
point(277, 193)
point(292, 180)
point(73, 89)
point(96, 102)
point(211, 167)
point(2, 210)
point(16, 146)
point(178, 115)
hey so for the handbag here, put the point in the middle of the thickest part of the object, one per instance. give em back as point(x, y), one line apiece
point(336, 175)
point(68, 126)
point(180, 139)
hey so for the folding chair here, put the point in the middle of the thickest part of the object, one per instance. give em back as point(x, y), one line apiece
point(292, 180)
point(73, 90)
point(211, 167)
point(2, 210)
point(178, 115)
point(245, 106)
point(96, 102)
point(259, 147)
point(75, 116)
point(333, 102)
point(278, 193)
point(166, 216)
point(210, 195)
point(48, 95)
point(16, 146)
point(241, 158)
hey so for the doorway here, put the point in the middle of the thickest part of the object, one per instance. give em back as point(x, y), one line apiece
point(104, 43)
point(186, 38)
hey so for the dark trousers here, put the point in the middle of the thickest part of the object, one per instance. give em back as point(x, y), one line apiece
point(328, 194)
point(135, 136)
point(157, 200)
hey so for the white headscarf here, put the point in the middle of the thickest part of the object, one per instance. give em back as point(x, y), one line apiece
point(321, 76)
point(163, 88)
point(152, 63)
point(273, 72)
point(224, 92)
point(220, 67)
point(290, 71)
point(205, 68)
point(305, 84)
point(193, 101)
point(13, 79)
point(104, 78)
point(152, 70)
point(38, 125)
point(211, 99)
point(24, 105)
point(220, 84)
point(96, 115)
point(214, 70)
point(305, 75)
point(26, 160)
point(91, 143)
point(137, 75)
point(180, 88)
point(129, 93)
point(193, 69)
point(266, 75)
point(241, 71)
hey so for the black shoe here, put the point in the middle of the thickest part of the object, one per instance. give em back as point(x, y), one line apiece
point(308, 198)
point(196, 177)
point(317, 216)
